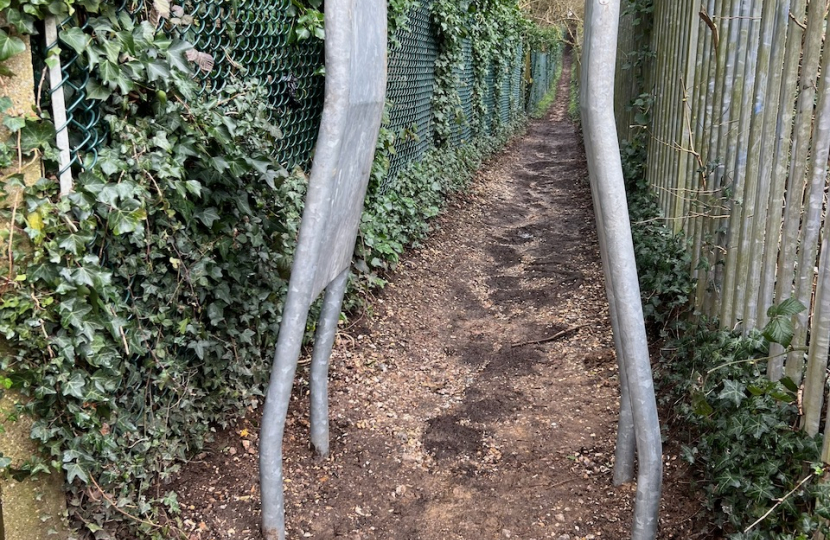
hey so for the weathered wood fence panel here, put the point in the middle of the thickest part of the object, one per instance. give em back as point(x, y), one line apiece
point(737, 122)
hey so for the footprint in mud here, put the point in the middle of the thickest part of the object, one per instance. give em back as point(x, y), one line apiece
point(511, 290)
point(504, 256)
point(446, 438)
point(513, 362)
point(480, 406)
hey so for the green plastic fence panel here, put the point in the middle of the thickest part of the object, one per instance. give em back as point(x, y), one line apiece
point(410, 89)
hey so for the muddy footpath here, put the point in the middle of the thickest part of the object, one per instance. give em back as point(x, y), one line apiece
point(478, 399)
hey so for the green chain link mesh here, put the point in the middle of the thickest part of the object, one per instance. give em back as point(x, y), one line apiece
point(465, 75)
point(504, 97)
point(410, 88)
point(249, 38)
point(541, 76)
point(516, 102)
point(489, 100)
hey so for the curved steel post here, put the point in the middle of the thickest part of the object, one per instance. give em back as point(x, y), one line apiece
point(605, 168)
point(355, 94)
point(625, 451)
point(323, 342)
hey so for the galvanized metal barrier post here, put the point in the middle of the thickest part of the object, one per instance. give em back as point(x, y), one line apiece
point(355, 94)
point(625, 451)
point(605, 168)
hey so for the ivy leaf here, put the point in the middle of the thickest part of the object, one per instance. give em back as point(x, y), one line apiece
point(113, 75)
point(733, 391)
point(194, 187)
point(700, 405)
point(176, 56)
point(93, 6)
point(123, 222)
point(75, 386)
point(199, 347)
point(112, 50)
point(73, 312)
point(96, 91)
point(780, 329)
point(157, 71)
point(76, 38)
point(36, 135)
point(14, 123)
point(22, 22)
point(215, 313)
point(74, 243)
point(10, 46)
point(91, 276)
point(728, 479)
point(73, 470)
point(208, 216)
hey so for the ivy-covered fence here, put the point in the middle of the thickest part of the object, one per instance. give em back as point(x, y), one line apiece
point(259, 40)
point(142, 307)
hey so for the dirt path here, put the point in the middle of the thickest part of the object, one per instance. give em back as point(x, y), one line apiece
point(443, 428)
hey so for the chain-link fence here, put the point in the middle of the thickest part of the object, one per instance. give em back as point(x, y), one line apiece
point(410, 88)
point(248, 39)
point(466, 78)
point(251, 39)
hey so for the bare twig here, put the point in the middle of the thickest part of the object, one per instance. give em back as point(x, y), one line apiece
point(554, 337)
point(115, 506)
point(711, 25)
point(780, 502)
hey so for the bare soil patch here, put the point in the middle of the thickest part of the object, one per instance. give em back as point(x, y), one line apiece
point(442, 428)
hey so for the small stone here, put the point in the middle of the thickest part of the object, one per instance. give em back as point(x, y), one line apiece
point(560, 518)
point(506, 533)
point(564, 537)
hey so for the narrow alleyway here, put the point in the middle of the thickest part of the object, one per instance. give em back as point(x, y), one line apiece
point(455, 414)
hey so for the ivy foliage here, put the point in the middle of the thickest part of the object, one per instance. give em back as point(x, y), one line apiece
point(741, 435)
point(142, 309)
point(495, 30)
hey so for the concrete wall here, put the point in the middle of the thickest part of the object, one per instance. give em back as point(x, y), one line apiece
point(34, 509)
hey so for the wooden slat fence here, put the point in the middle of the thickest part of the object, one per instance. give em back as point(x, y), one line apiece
point(738, 143)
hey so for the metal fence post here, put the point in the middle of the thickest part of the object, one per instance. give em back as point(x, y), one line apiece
point(355, 93)
point(605, 167)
